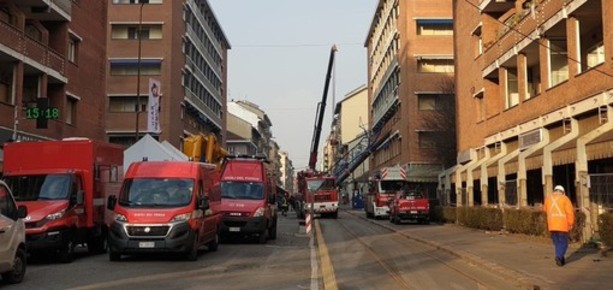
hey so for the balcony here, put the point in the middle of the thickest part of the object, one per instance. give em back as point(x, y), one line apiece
point(21, 44)
point(496, 6)
point(47, 10)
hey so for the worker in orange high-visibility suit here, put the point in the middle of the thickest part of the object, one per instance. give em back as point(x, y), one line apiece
point(560, 220)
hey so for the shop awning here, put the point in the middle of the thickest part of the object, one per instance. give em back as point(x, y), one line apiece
point(424, 172)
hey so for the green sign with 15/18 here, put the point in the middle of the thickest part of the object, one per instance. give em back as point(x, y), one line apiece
point(47, 113)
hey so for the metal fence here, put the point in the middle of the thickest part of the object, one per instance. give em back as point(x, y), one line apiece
point(601, 190)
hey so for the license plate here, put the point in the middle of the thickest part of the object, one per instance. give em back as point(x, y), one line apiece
point(146, 244)
point(235, 229)
point(413, 211)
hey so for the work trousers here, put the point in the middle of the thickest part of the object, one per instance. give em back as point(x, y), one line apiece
point(560, 241)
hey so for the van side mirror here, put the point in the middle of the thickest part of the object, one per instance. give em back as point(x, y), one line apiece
point(80, 197)
point(204, 203)
point(22, 212)
point(111, 202)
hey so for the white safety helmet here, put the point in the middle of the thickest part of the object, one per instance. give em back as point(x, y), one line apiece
point(559, 188)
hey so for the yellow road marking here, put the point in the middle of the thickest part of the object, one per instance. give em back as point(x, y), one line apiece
point(327, 270)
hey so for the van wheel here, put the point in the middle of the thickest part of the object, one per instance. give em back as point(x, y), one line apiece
point(16, 274)
point(66, 252)
point(114, 256)
point(214, 244)
point(263, 236)
point(192, 255)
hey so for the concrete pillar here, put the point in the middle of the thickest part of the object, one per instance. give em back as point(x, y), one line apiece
point(572, 46)
point(502, 174)
point(547, 153)
point(581, 174)
point(522, 78)
point(522, 171)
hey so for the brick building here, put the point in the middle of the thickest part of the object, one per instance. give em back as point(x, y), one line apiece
point(179, 44)
point(52, 54)
point(410, 66)
point(534, 86)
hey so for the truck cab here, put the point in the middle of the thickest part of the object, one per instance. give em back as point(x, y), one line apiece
point(322, 195)
point(12, 237)
point(165, 207)
point(410, 205)
point(248, 199)
point(382, 189)
point(63, 184)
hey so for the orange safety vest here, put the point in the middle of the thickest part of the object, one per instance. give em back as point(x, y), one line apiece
point(560, 213)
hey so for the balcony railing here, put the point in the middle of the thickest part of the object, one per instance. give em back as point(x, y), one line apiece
point(14, 39)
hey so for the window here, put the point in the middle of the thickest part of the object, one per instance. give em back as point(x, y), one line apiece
point(427, 139)
point(533, 77)
point(480, 105)
point(130, 31)
point(558, 62)
point(512, 89)
point(477, 41)
point(434, 27)
point(70, 114)
point(32, 31)
point(429, 65)
point(595, 55)
point(6, 95)
point(73, 48)
point(130, 67)
point(122, 104)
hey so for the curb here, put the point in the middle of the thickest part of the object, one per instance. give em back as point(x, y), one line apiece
point(524, 279)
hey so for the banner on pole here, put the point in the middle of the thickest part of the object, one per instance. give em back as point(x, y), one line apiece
point(153, 108)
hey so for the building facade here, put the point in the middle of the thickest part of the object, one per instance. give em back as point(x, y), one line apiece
point(178, 46)
point(535, 94)
point(348, 139)
point(287, 172)
point(52, 79)
point(410, 71)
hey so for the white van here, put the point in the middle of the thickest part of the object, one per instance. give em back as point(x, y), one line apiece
point(12, 237)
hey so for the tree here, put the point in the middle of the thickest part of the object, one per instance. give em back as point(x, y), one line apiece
point(442, 121)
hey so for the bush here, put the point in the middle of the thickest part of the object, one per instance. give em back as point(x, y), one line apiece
point(436, 214)
point(605, 228)
point(449, 214)
point(576, 234)
point(482, 218)
point(525, 221)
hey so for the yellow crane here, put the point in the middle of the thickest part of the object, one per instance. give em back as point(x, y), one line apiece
point(204, 148)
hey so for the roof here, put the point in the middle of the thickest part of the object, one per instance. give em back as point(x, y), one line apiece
point(239, 111)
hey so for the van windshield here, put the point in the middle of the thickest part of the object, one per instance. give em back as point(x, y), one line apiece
point(242, 190)
point(156, 192)
point(40, 187)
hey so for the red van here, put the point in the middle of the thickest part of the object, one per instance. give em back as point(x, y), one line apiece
point(165, 207)
point(248, 198)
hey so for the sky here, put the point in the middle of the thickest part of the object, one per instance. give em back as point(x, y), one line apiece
point(279, 59)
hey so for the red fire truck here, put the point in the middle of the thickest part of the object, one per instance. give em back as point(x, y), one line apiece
point(319, 191)
point(383, 188)
point(64, 185)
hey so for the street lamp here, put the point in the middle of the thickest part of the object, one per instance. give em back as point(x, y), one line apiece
point(139, 33)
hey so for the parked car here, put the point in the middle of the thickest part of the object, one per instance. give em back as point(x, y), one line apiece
point(12, 237)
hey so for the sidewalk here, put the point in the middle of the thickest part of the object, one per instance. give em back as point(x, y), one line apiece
point(526, 259)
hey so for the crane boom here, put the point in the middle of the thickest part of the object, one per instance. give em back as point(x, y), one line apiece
point(321, 109)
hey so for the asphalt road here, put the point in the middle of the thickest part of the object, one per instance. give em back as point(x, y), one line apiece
point(280, 264)
point(367, 256)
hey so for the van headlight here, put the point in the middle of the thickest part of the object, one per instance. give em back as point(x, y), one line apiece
point(120, 218)
point(182, 217)
point(259, 212)
point(57, 215)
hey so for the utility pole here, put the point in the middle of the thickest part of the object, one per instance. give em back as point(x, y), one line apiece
point(139, 35)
